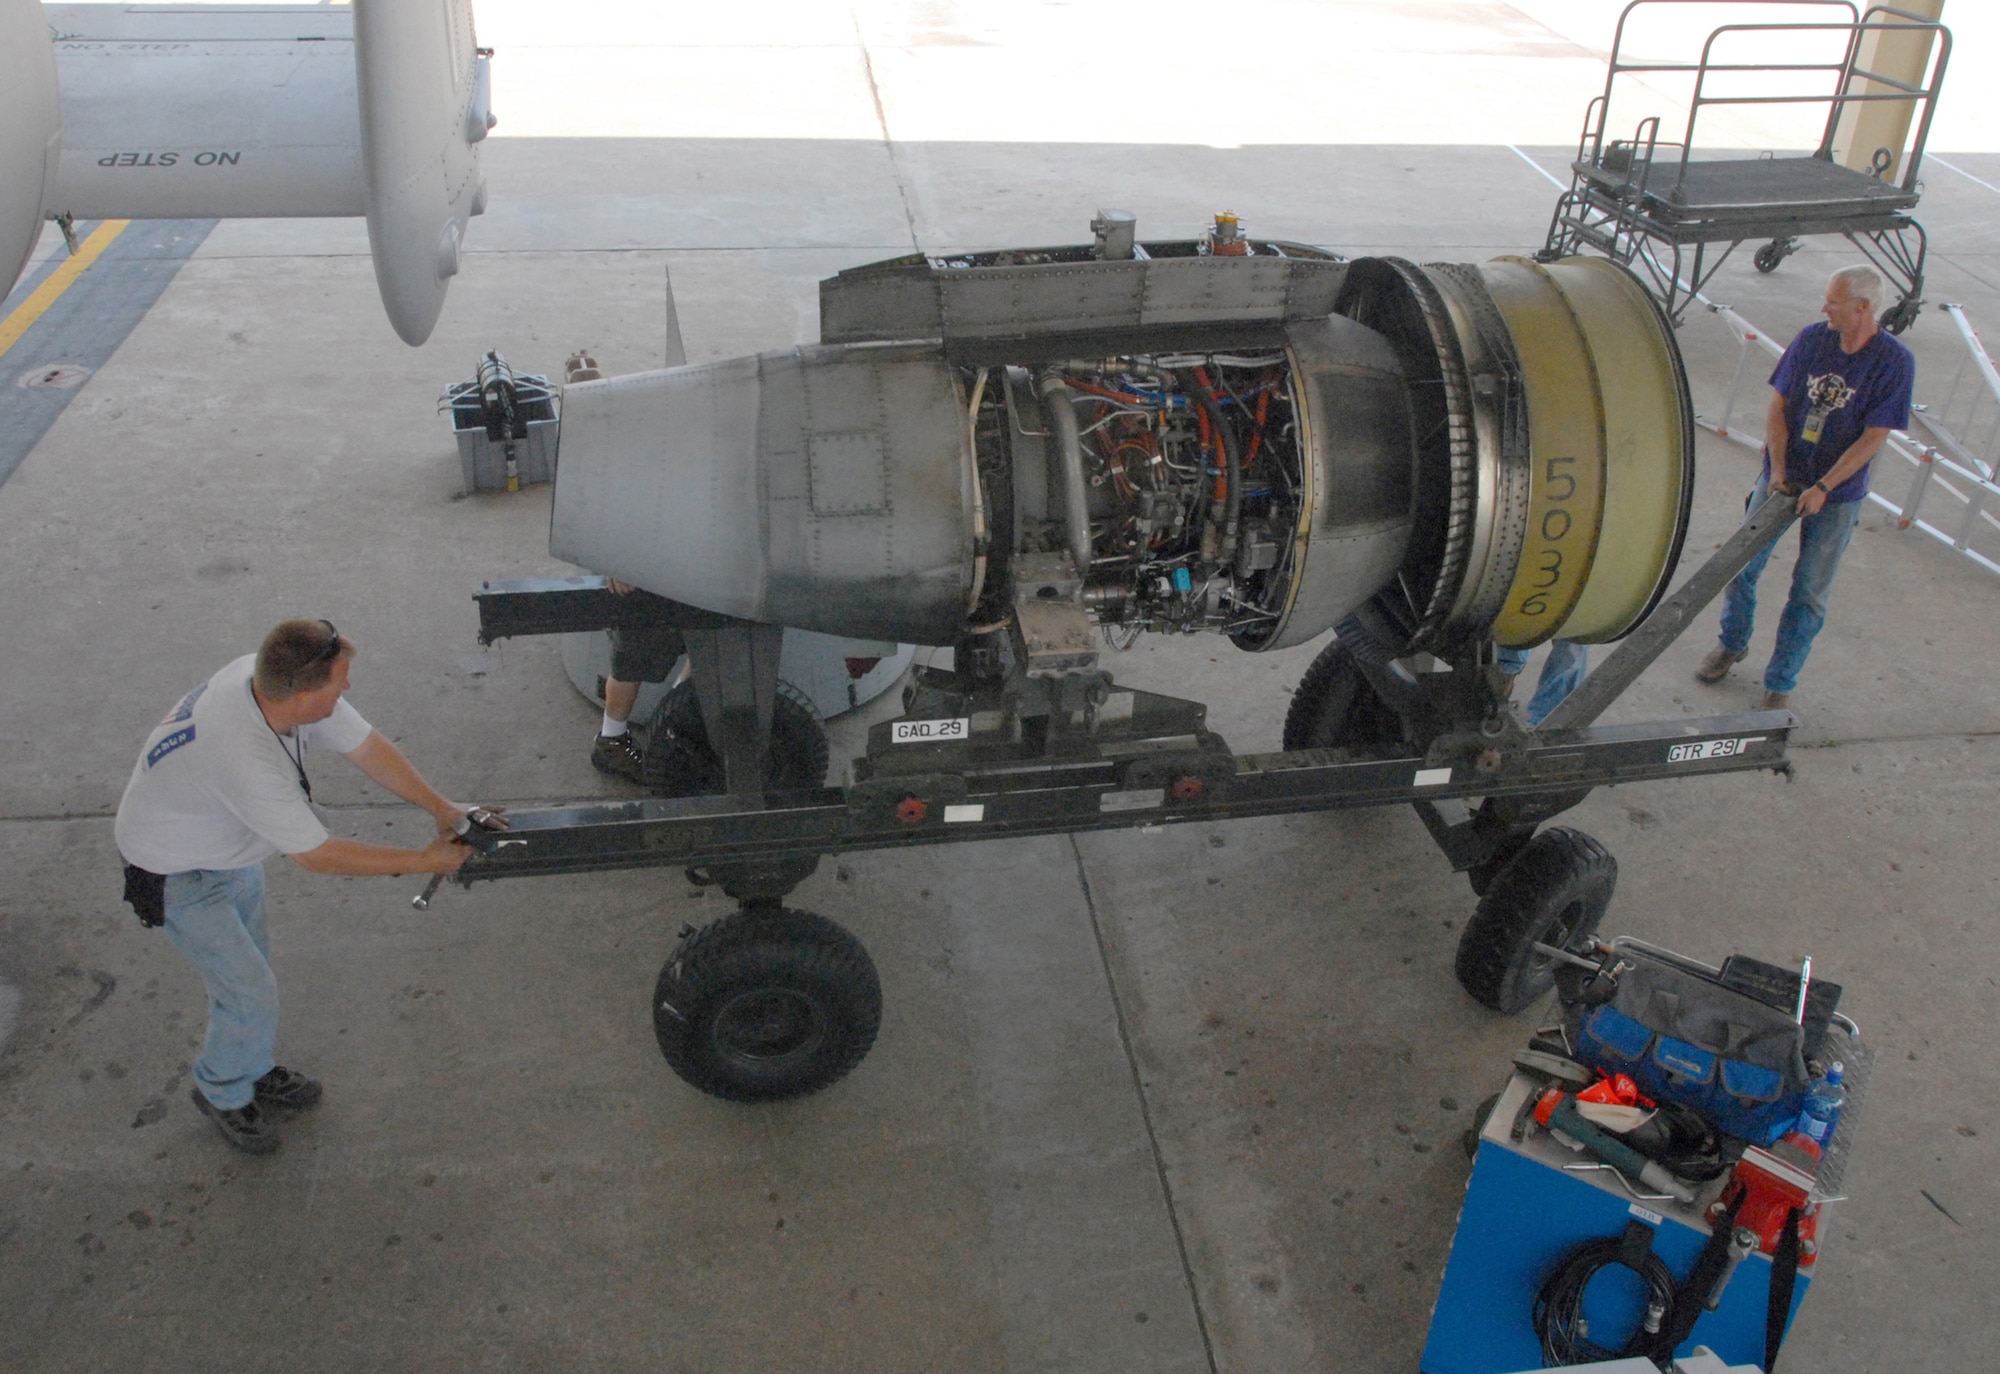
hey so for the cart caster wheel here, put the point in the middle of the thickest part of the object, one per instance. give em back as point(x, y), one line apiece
point(1469, 1141)
point(1335, 708)
point(1902, 314)
point(1554, 892)
point(680, 762)
point(1771, 254)
point(767, 1004)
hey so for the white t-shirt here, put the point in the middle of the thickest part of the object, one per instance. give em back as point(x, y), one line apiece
point(215, 787)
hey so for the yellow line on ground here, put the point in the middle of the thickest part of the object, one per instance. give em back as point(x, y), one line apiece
point(44, 296)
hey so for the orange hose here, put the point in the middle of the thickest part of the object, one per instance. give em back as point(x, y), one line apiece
point(1208, 437)
point(1257, 439)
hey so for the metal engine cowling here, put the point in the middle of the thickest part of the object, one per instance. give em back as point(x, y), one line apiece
point(1257, 445)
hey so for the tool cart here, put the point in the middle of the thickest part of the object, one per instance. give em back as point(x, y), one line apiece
point(1654, 1176)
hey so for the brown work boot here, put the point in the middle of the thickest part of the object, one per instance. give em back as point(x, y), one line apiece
point(1716, 666)
point(619, 756)
point(1775, 701)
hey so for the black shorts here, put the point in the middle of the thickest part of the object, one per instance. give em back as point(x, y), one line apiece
point(644, 653)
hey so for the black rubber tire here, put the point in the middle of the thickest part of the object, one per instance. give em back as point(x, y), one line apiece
point(1482, 876)
point(1555, 891)
point(680, 762)
point(1770, 255)
point(766, 1005)
point(1902, 315)
point(1469, 1141)
point(1335, 708)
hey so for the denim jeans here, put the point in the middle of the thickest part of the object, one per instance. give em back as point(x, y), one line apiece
point(1562, 671)
point(1822, 539)
point(216, 918)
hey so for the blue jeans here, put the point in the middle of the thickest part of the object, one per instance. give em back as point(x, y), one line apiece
point(1562, 671)
point(1822, 540)
point(216, 918)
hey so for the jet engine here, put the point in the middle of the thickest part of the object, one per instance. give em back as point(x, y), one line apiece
point(1249, 437)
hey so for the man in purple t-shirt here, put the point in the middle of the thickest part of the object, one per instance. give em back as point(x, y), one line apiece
point(1838, 391)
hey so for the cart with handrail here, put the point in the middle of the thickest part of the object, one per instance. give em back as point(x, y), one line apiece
point(1657, 205)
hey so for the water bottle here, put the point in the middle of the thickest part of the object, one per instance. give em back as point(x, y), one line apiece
point(1821, 1112)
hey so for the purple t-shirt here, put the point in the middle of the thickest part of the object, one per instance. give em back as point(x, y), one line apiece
point(1832, 396)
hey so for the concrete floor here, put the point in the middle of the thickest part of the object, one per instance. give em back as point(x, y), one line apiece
point(1187, 1100)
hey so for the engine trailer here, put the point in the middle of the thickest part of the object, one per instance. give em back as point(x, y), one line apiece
point(772, 1002)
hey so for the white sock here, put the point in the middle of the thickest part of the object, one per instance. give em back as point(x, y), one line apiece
point(611, 729)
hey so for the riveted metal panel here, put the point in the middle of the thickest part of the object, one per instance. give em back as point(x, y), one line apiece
point(1183, 290)
point(889, 300)
point(986, 301)
point(822, 488)
point(657, 484)
point(911, 297)
point(847, 474)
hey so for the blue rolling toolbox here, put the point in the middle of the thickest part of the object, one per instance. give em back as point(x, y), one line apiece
point(1561, 1258)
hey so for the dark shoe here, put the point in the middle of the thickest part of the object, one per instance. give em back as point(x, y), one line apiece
point(1775, 701)
point(1716, 666)
point(243, 1127)
point(619, 756)
point(287, 1088)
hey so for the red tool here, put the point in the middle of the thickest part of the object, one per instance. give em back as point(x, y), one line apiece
point(1772, 1181)
point(1617, 1090)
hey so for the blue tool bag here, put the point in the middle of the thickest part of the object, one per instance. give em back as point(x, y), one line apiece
point(1721, 1044)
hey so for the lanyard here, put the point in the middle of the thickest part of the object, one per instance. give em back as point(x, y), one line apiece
point(297, 760)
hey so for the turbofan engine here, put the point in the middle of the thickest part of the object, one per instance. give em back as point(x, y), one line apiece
point(1249, 437)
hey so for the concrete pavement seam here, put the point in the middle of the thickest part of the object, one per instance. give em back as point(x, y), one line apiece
point(888, 143)
point(1962, 172)
point(1145, 1108)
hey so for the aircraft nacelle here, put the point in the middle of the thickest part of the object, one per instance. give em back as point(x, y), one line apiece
point(1248, 437)
point(169, 112)
point(30, 123)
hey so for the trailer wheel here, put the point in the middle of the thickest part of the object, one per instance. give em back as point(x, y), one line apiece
point(1902, 314)
point(1335, 708)
point(767, 1004)
point(681, 763)
point(1481, 876)
point(1554, 892)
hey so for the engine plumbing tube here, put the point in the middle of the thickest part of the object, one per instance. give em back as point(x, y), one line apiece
point(1232, 506)
point(1060, 402)
point(980, 538)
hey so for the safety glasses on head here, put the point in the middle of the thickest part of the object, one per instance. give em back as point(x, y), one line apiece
point(332, 649)
point(327, 654)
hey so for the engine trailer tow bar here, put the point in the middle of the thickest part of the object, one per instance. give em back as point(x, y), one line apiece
point(772, 1003)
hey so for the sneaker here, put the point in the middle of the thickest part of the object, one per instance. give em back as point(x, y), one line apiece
point(1775, 701)
point(287, 1088)
point(1716, 666)
point(243, 1127)
point(619, 756)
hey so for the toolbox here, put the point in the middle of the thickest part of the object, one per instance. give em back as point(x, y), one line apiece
point(506, 426)
point(1545, 1225)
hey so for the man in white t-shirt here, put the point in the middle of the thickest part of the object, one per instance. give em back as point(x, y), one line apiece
point(220, 787)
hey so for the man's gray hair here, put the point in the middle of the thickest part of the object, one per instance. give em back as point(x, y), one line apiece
point(1864, 283)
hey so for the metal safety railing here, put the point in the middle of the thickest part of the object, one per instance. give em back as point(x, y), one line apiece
point(1967, 422)
point(1957, 465)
